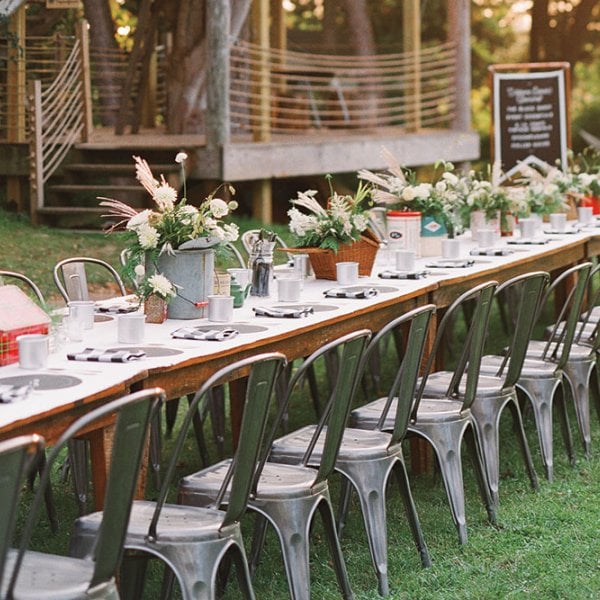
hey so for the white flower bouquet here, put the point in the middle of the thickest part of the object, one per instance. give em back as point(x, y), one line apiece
point(172, 225)
point(342, 222)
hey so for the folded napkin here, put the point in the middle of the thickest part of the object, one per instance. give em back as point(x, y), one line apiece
point(529, 242)
point(452, 263)
point(117, 308)
point(212, 335)
point(355, 294)
point(285, 313)
point(14, 393)
point(570, 231)
point(490, 252)
point(107, 355)
point(403, 274)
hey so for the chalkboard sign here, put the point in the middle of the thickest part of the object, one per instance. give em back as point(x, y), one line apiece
point(530, 117)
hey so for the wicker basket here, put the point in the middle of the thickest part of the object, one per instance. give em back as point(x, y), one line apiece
point(323, 261)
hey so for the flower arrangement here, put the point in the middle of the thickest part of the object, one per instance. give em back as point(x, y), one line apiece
point(342, 222)
point(544, 192)
point(171, 225)
point(398, 188)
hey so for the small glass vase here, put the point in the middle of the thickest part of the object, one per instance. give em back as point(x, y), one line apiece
point(155, 309)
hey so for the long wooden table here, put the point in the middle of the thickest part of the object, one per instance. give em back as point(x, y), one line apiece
point(182, 375)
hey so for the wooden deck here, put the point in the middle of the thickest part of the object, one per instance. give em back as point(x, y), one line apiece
point(309, 152)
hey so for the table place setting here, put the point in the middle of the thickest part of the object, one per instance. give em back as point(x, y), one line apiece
point(283, 312)
point(15, 393)
point(354, 293)
point(204, 334)
point(107, 355)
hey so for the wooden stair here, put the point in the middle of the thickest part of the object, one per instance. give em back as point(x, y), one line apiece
point(89, 173)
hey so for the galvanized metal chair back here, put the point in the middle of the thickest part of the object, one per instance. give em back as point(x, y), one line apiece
point(469, 360)
point(350, 349)
point(133, 415)
point(243, 472)
point(411, 328)
point(561, 338)
point(528, 290)
point(71, 280)
point(16, 458)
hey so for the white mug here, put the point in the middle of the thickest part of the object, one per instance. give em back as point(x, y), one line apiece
point(486, 238)
point(346, 273)
point(451, 248)
point(527, 227)
point(405, 260)
point(130, 328)
point(33, 350)
point(220, 308)
point(585, 214)
point(289, 288)
point(558, 222)
point(82, 311)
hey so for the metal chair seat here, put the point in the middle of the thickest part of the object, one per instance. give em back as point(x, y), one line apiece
point(357, 445)
point(55, 577)
point(576, 352)
point(177, 523)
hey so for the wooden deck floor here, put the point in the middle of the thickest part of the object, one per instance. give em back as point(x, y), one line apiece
point(306, 152)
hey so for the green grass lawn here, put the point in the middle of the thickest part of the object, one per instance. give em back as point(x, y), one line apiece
point(546, 544)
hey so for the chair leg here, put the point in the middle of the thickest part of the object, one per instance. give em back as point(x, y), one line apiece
point(198, 425)
point(411, 512)
point(578, 375)
point(334, 547)
point(369, 479)
point(344, 505)
point(48, 494)
point(258, 541)
point(540, 394)
point(313, 386)
point(475, 453)
point(446, 442)
point(155, 450)
point(133, 575)
point(78, 459)
point(563, 417)
point(519, 430)
point(242, 571)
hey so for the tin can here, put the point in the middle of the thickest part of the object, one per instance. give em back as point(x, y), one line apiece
point(404, 229)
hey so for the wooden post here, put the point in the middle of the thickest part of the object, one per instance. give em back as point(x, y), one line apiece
point(15, 98)
point(262, 201)
point(149, 102)
point(411, 35)
point(459, 33)
point(36, 169)
point(82, 35)
point(218, 127)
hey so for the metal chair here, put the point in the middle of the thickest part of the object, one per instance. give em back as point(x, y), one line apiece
point(572, 361)
point(497, 390)
point(16, 458)
point(368, 458)
point(23, 278)
point(71, 280)
point(191, 540)
point(34, 574)
point(445, 421)
point(286, 495)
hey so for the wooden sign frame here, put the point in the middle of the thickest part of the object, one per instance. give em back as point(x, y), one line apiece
point(532, 100)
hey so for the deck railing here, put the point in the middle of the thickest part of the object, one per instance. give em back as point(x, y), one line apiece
point(308, 91)
point(60, 116)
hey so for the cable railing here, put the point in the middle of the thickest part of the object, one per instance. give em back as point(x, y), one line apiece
point(308, 91)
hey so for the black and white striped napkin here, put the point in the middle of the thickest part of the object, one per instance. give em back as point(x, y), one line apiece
point(112, 355)
point(212, 335)
point(14, 393)
point(368, 292)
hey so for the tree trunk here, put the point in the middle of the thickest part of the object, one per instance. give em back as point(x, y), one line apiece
point(102, 39)
point(539, 30)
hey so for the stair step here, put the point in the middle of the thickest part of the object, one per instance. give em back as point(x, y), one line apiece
point(128, 169)
point(96, 188)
